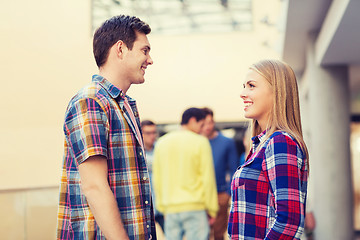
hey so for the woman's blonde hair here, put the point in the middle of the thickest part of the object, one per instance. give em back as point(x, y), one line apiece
point(285, 112)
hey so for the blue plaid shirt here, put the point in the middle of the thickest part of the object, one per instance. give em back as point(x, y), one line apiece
point(96, 123)
point(269, 190)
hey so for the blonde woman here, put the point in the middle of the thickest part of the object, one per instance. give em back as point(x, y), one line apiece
point(269, 189)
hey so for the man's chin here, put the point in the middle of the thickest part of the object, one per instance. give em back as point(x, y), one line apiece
point(141, 81)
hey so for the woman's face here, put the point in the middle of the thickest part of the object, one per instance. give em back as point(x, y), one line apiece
point(258, 99)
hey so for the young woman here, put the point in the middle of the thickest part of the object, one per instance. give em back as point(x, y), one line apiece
point(269, 189)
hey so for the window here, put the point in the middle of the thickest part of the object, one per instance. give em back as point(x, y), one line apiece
point(180, 16)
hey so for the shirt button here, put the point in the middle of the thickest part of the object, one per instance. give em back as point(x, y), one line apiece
point(147, 226)
point(144, 178)
point(140, 153)
point(146, 202)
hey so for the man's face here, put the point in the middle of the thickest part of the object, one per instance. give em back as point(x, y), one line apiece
point(149, 135)
point(137, 59)
point(208, 127)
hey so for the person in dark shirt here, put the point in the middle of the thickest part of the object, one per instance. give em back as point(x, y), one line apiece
point(225, 158)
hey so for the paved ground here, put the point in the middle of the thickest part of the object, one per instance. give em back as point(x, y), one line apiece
point(160, 235)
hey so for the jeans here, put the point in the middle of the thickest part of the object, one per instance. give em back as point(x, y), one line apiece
point(193, 224)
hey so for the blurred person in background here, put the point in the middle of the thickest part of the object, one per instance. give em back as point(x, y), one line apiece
point(105, 186)
point(150, 134)
point(225, 157)
point(310, 222)
point(184, 179)
point(246, 142)
point(269, 190)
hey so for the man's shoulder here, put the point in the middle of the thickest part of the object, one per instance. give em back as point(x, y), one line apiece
point(168, 137)
point(181, 135)
point(94, 91)
point(195, 136)
point(198, 140)
point(224, 139)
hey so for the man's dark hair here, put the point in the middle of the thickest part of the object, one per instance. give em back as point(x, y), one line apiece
point(117, 28)
point(192, 112)
point(208, 111)
point(147, 123)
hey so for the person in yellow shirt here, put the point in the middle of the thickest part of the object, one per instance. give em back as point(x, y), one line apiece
point(184, 180)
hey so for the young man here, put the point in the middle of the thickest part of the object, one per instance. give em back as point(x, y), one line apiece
point(105, 188)
point(184, 179)
point(225, 158)
point(150, 135)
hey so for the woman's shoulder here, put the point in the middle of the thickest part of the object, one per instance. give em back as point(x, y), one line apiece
point(282, 135)
point(281, 138)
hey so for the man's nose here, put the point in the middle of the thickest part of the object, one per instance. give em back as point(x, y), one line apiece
point(150, 61)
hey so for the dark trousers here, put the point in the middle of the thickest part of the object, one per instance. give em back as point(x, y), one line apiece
point(159, 218)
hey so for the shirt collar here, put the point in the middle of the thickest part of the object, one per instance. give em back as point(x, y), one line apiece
point(259, 138)
point(115, 92)
point(108, 86)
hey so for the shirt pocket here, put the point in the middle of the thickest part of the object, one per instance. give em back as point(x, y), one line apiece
point(248, 175)
point(237, 181)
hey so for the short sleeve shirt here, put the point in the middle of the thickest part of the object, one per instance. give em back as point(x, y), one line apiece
point(97, 123)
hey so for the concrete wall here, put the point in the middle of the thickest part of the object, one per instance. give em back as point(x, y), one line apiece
point(355, 161)
point(326, 115)
point(45, 57)
point(28, 214)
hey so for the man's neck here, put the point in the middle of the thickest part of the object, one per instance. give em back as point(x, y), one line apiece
point(149, 148)
point(114, 79)
point(186, 127)
point(213, 135)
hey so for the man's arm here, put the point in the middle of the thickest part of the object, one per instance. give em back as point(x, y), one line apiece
point(102, 202)
point(232, 158)
point(209, 181)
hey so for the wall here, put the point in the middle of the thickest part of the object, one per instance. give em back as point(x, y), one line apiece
point(46, 56)
point(28, 213)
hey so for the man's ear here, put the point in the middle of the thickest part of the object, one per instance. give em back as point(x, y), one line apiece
point(192, 120)
point(119, 47)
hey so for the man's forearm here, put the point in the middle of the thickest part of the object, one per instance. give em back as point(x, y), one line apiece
point(102, 202)
point(104, 207)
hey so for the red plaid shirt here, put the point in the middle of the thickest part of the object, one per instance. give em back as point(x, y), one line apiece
point(269, 191)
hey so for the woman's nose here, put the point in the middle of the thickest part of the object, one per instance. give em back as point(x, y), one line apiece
point(243, 94)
